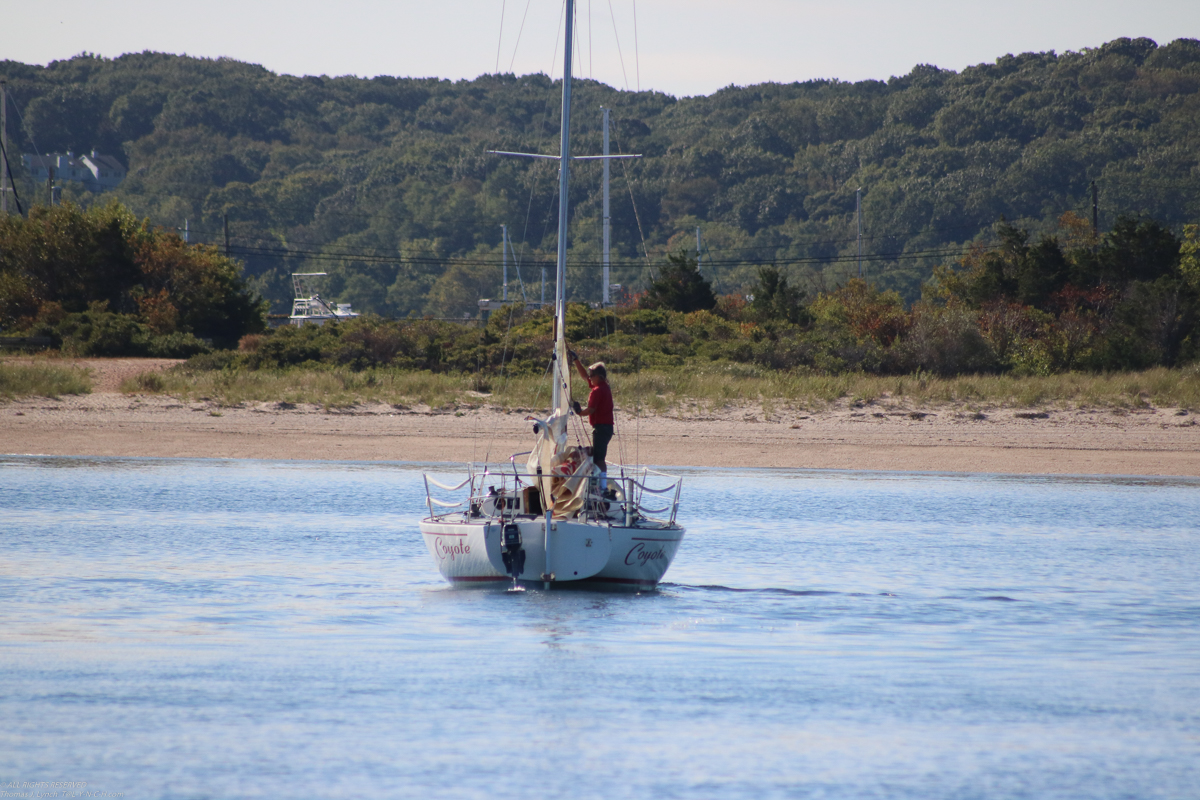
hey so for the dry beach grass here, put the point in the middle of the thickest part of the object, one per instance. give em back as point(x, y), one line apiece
point(666, 392)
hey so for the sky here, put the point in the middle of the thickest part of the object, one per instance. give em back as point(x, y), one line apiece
point(681, 47)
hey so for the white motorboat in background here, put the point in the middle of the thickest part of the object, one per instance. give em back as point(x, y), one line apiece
point(308, 306)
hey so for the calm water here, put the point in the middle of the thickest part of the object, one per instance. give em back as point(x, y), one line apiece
point(224, 629)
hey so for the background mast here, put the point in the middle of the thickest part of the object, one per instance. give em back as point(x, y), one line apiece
point(858, 221)
point(4, 146)
point(504, 257)
point(604, 296)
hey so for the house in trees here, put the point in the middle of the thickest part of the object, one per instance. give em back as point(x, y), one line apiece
point(95, 171)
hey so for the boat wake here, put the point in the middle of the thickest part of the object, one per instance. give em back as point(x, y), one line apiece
point(684, 587)
point(768, 590)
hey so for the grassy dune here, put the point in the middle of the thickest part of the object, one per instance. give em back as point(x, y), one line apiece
point(42, 380)
point(340, 388)
point(660, 391)
point(1158, 387)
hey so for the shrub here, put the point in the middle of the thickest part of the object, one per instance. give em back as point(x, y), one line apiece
point(42, 380)
point(71, 258)
point(99, 332)
point(294, 344)
point(176, 345)
point(371, 344)
point(864, 309)
point(644, 321)
point(944, 340)
point(211, 362)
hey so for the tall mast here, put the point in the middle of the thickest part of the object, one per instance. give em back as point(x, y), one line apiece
point(604, 299)
point(564, 168)
point(504, 256)
point(858, 221)
point(4, 141)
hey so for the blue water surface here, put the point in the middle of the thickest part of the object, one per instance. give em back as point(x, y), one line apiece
point(227, 629)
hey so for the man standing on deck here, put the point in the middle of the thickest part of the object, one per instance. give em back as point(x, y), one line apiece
point(599, 411)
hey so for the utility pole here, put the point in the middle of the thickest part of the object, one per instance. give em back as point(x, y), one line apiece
point(504, 257)
point(604, 298)
point(698, 249)
point(185, 231)
point(858, 216)
point(4, 182)
point(50, 185)
point(225, 224)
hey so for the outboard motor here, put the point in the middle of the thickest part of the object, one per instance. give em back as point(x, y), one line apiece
point(511, 551)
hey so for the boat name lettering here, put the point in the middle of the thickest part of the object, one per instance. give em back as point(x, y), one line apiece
point(642, 555)
point(450, 551)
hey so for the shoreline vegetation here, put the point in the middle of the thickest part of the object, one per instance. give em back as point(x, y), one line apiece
point(101, 283)
point(21, 380)
point(1072, 322)
point(652, 392)
point(659, 392)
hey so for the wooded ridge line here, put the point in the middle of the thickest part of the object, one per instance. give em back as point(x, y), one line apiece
point(385, 183)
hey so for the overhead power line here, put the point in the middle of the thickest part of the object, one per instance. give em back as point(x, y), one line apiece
point(378, 258)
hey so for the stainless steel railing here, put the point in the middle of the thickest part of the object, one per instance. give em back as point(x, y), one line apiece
point(486, 485)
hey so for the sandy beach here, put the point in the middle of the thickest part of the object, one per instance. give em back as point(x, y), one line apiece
point(881, 436)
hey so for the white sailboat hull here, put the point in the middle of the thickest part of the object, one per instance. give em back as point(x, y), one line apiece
point(587, 554)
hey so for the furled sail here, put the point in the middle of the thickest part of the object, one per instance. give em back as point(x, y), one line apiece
point(551, 439)
point(551, 457)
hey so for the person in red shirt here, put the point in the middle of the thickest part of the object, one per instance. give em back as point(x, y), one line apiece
point(599, 411)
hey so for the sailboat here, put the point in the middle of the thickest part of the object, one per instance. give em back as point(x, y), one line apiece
point(543, 519)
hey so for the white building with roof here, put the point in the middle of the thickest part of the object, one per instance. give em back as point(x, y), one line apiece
point(95, 171)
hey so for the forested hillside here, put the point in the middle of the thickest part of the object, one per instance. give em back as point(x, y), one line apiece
point(385, 182)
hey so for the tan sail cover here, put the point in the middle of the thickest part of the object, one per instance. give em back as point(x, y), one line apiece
point(564, 469)
point(572, 468)
point(551, 440)
point(562, 377)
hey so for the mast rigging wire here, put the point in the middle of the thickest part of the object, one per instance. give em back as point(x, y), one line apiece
point(617, 36)
point(25, 127)
point(519, 32)
point(636, 215)
point(11, 184)
point(636, 59)
point(504, 377)
point(500, 39)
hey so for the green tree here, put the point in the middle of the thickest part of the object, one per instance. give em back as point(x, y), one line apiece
point(105, 260)
point(1189, 256)
point(680, 286)
point(775, 298)
point(1134, 250)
